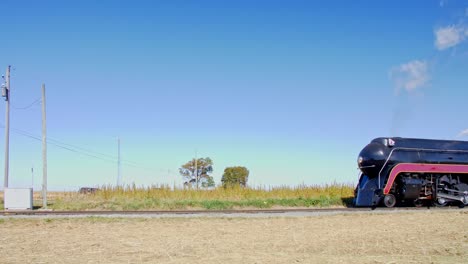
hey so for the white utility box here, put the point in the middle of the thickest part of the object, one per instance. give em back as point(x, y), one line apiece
point(18, 198)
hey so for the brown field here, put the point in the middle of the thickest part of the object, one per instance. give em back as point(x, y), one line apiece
point(407, 237)
point(134, 197)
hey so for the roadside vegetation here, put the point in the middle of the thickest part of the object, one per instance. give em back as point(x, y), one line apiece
point(167, 198)
point(199, 192)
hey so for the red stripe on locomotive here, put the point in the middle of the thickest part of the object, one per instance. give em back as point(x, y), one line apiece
point(421, 167)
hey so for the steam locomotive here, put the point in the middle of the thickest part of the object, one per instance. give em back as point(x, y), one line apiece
point(407, 170)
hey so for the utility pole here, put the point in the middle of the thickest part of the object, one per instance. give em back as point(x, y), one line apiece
point(119, 176)
point(6, 94)
point(44, 150)
point(196, 167)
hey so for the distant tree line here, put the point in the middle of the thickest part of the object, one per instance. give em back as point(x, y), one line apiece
point(197, 173)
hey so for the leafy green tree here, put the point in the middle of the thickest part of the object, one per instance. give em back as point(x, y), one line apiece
point(197, 171)
point(209, 182)
point(235, 176)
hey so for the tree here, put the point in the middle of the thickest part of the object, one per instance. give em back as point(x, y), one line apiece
point(235, 176)
point(209, 182)
point(197, 171)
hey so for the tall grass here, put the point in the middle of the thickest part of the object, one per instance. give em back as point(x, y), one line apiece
point(165, 198)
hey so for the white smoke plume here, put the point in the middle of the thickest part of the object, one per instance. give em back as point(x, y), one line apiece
point(411, 75)
point(464, 133)
point(450, 36)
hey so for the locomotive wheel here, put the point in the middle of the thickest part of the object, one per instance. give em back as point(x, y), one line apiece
point(418, 203)
point(440, 202)
point(389, 200)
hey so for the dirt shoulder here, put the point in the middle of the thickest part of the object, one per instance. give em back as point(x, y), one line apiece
point(432, 236)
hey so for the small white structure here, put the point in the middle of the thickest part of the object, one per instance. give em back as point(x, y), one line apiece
point(18, 198)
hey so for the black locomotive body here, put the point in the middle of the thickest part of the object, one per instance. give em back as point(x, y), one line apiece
point(401, 170)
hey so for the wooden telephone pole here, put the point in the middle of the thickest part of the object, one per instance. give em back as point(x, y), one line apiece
point(44, 149)
point(6, 94)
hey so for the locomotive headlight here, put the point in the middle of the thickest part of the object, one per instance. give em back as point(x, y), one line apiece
point(360, 159)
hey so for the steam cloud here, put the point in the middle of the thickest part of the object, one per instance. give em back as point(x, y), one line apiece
point(450, 36)
point(464, 133)
point(411, 75)
point(415, 74)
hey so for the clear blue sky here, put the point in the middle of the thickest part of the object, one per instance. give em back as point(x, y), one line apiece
point(290, 89)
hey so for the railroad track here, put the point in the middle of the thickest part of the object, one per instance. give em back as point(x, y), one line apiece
point(215, 212)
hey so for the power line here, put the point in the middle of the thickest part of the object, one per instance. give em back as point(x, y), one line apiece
point(28, 106)
point(83, 149)
point(78, 150)
point(60, 146)
point(107, 156)
point(63, 144)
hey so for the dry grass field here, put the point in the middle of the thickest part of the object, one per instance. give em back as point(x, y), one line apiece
point(407, 237)
point(132, 197)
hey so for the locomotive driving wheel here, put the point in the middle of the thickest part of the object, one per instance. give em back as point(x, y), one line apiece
point(389, 200)
point(418, 203)
point(440, 202)
point(442, 187)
